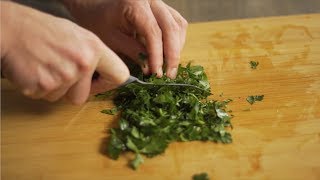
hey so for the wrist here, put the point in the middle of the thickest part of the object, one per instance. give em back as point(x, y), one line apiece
point(12, 20)
point(6, 13)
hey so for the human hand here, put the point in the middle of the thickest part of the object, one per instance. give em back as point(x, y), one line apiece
point(117, 21)
point(48, 57)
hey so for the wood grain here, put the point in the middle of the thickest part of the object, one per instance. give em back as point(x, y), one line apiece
point(279, 138)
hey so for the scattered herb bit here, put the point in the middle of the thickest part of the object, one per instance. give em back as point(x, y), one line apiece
point(154, 116)
point(253, 99)
point(221, 94)
point(105, 95)
point(112, 111)
point(201, 176)
point(136, 162)
point(254, 64)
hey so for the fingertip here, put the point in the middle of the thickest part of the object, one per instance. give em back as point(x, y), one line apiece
point(79, 92)
point(76, 100)
point(172, 73)
point(159, 72)
point(145, 69)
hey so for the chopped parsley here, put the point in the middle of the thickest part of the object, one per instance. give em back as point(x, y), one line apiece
point(136, 162)
point(253, 99)
point(201, 176)
point(254, 64)
point(153, 116)
point(112, 111)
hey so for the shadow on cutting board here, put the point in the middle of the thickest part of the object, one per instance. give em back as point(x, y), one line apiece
point(15, 103)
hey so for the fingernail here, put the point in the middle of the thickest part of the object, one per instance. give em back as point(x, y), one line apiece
point(172, 73)
point(159, 72)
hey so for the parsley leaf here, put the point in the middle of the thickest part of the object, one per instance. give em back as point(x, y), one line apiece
point(153, 116)
point(138, 160)
point(112, 111)
point(253, 99)
point(201, 176)
point(254, 64)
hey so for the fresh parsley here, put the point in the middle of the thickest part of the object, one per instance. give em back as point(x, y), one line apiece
point(201, 176)
point(254, 64)
point(253, 99)
point(153, 116)
point(136, 162)
point(112, 111)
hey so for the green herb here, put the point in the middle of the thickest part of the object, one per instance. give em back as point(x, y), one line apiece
point(136, 162)
point(112, 111)
point(254, 64)
point(154, 116)
point(253, 99)
point(201, 176)
point(105, 95)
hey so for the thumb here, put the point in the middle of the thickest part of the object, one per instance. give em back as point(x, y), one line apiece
point(112, 70)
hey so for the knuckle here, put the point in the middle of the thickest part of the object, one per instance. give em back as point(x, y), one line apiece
point(184, 23)
point(48, 87)
point(174, 27)
point(68, 75)
point(89, 56)
point(155, 30)
point(85, 62)
point(85, 59)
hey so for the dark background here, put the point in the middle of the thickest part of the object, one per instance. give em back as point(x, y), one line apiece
point(210, 10)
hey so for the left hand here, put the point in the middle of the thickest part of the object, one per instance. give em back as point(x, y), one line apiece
point(117, 22)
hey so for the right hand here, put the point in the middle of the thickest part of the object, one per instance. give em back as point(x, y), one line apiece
point(48, 57)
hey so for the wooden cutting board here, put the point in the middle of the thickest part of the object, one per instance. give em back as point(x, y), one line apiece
point(279, 138)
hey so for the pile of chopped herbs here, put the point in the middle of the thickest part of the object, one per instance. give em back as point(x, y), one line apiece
point(152, 116)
